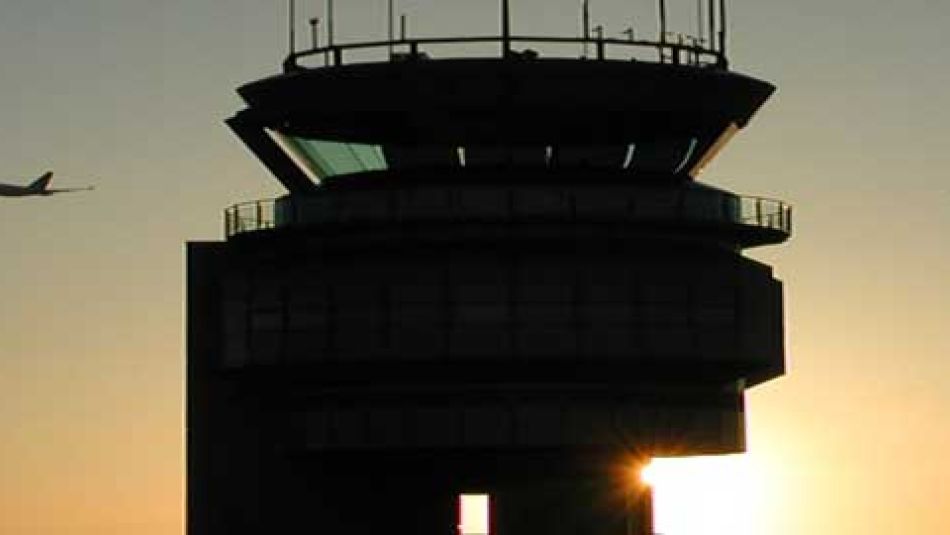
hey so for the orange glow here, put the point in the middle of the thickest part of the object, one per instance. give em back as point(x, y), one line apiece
point(710, 495)
point(648, 474)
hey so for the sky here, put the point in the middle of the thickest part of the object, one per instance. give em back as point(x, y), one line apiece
point(130, 96)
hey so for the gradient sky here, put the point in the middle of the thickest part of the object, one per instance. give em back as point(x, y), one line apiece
point(131, 94)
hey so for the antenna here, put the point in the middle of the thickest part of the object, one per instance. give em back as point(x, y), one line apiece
point(315, 32)
point(711, 9)
point(662, 21)
point(722, 30)
point(292, 36)
point(391, 27)
point(402, 27)
point(585, 24)
point(329, 23)
point(505, 28)
point(699, 21)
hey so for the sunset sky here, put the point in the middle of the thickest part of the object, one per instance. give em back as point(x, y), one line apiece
point(130, 96)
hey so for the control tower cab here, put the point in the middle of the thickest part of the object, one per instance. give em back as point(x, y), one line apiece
point(493, 274)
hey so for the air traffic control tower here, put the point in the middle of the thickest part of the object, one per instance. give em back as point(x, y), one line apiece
point(494, 271)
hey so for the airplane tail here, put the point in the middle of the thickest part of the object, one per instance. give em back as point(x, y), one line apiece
point(41, 183)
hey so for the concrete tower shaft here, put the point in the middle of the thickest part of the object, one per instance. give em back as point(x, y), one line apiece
point(489, 275)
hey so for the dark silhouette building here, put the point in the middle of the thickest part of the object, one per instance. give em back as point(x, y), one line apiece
point(492, 274)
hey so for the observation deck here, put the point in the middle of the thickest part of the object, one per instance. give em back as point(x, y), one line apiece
point(749, 221)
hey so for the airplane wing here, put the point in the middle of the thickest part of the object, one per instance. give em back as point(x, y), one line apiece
point(68, 190)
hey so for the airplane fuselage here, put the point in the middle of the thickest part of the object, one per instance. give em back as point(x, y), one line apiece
point(7, 190)
point(39, 187)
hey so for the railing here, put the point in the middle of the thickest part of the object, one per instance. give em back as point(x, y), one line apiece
point(250, 217)
point(681, 50)
point(690, 206)
point(765, 213)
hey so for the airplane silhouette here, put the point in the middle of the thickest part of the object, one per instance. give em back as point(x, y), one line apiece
point(40, 186)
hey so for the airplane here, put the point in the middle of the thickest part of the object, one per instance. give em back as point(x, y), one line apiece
point(40, 186)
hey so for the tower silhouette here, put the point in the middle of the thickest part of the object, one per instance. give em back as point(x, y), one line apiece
point(491, 274)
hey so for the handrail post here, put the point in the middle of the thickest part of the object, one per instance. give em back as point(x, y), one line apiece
point(600, 43)
point(314, 33)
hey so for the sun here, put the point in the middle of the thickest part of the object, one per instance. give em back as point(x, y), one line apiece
point(710, 495)
point(649, 473)
point(715, 495)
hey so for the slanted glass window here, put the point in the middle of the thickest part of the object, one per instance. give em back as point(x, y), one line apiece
point(321, 158)
point(334, 158)
point(327, 158)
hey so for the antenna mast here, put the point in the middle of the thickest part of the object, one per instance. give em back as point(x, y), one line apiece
point(505, 29)
point(391, 27)
point(329, 23)
point(663, 21)
point(585, 23)
point(292, 34)
point(700, 27)
point(315, 33)
point(722, 29)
